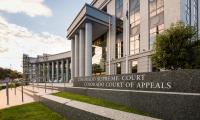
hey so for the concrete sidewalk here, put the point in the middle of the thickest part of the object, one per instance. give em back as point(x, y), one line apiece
point(14, 100)
point(54, 84)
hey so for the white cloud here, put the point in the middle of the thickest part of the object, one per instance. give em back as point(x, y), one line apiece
point(30, 7)
point(16, 40)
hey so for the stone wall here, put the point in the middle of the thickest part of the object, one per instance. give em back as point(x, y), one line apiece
point(168, 81)
point(164, 105)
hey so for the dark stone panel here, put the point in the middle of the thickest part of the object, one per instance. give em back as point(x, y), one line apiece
point(82, 91)
point(118, 97)
point(163, 105)
point(180, 80)
point(69, 112)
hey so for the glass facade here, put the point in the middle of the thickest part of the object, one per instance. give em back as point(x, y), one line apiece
point(119, 68)
point(99, 55)
point(119, 29)
point(134, 26)
point(119, 8)
point(156, 19)
point(133, 66)
point(119, 39)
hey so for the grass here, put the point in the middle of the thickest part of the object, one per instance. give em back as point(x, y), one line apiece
point(31, 111)
point(99, 102)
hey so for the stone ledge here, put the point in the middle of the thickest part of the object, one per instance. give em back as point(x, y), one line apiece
point(76, 110)
point(165, 105)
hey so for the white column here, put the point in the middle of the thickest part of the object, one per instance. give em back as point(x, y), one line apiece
point(44, 77)
point(76, 56)
point(62, 71)
point(144, 25)
point(48, 74)
point(81, 53)
point(30, 72)
point(88, 49)
point(67, 70)
point(57, 71)
point(39, 72)
point(52, 72)
point(72, 59)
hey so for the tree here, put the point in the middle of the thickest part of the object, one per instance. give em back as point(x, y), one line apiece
point(9, 73)
point(176, 48)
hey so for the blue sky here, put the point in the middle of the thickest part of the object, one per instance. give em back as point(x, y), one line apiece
point(34, 27)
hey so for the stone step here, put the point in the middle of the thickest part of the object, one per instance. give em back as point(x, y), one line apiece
point(79, 110)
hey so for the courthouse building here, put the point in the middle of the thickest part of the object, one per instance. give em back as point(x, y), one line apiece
point(116, 36)
point(49, 68)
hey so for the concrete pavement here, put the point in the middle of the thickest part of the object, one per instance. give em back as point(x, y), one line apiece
point(16, 99)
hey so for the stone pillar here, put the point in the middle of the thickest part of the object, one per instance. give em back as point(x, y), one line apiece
point(67, 70)
point(30, 73)
point(48, 74)
point(39, 72)
point(81, 53)
point(62, 70)
point(52, 72)
point(73, 59)
point(43, 68)
point(144, 26)
point(57, 71)
point(88, 49)
point(76, 56)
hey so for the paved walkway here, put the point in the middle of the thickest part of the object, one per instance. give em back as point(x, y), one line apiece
point(54, 84)
point(16, 99)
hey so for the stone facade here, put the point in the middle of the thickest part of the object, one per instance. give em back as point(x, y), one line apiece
point(103, 17)
point(47, 68)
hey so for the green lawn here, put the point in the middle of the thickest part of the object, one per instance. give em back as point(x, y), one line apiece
point(31, 111)
point(99, 102)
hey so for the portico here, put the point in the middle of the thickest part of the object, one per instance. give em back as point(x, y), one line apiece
point(49, 68)
point(82, 33)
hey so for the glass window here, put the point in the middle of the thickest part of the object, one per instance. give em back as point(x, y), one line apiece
point(156, 14)
point(119, 39)
point(99, 55)
point(156, 7)
point(134, 44)
point(134, 12)
point(134, 65)
point(134, 26)
point(118, 65)
point(119, 8)
point(153, 32)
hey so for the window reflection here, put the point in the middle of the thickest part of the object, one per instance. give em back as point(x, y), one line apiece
point(134, 44)
point(99, 55)
point(119, 8)
point(134, 65)
point(134, 26)
point(118, 65)
point(156, 13)
point(156, 7)
point(119, 39)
